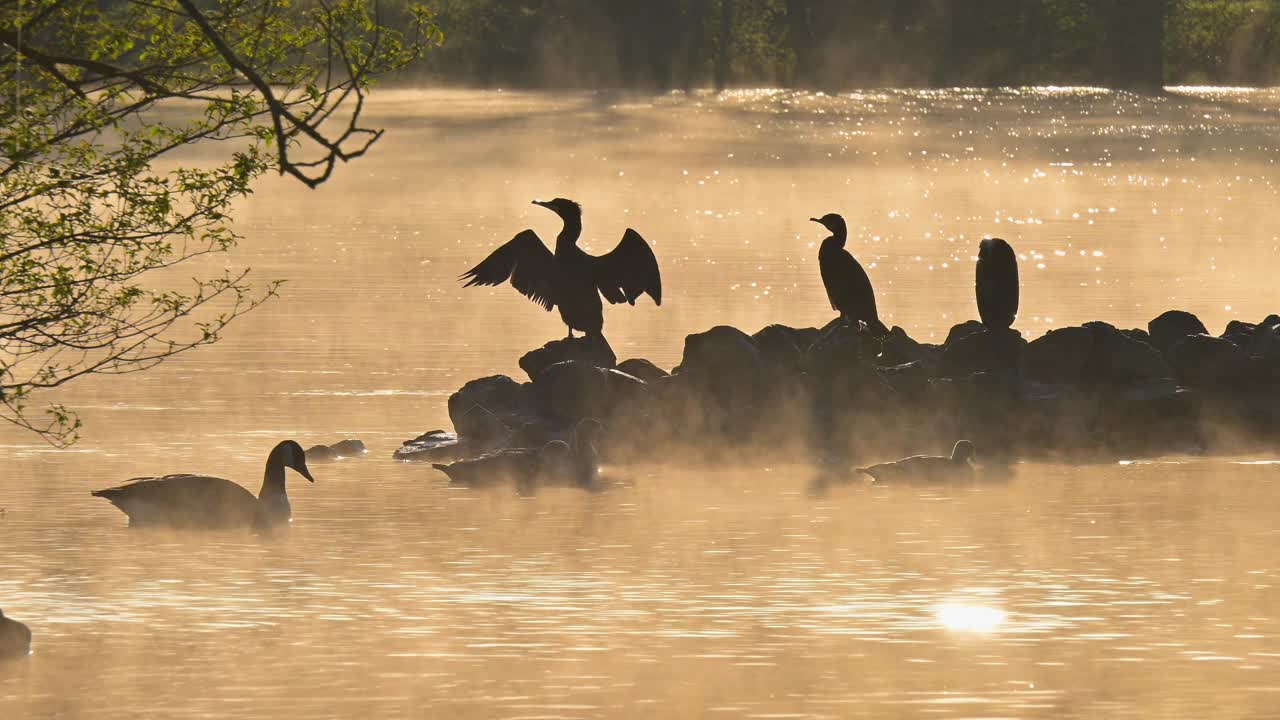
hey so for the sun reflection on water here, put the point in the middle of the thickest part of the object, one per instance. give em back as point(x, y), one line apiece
point(970, 618)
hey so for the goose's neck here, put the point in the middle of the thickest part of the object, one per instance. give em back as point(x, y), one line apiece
point(569, 234)
point(586, 460)
point(272, 480)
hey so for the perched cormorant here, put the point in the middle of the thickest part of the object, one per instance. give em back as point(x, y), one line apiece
point(927, 468)
point(997, 284)
point(572, 279)
point(15, 638)
point(848, 287)
point(200, 501)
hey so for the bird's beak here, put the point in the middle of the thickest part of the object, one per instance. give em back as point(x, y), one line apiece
point(302, 468)
point(815, 220)
point(543, 203)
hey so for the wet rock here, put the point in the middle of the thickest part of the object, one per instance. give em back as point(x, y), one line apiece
point(964, 329)
point(1207, 361)
point(909, 380)
point(641, 368)
point(982, 351)
point(841, 347)
point(1138, 334)
point(1172, 326)
point(594, 351)
point(898, 348)
point(1236, 327)
point(571, 390)
point(432, 446)
point(1264, 342)
point(1093, 354)
point(321, 454)
point(484, 410)
point(15, 638)
point(723, 357)
point(1150, 418)
point(349, 448)
point(778, 349)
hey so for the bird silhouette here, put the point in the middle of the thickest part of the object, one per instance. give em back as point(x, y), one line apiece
point(997, 284)
point(570, 278)
point(848, 287)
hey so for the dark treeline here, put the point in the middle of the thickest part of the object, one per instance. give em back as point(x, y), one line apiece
point(837, 44)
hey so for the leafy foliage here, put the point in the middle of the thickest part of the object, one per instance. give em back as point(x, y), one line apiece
point(92, 230)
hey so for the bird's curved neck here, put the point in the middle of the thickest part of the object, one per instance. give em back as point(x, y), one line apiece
point(569, 234)
point(837, 239)
point(586, 460)
point(272, 478)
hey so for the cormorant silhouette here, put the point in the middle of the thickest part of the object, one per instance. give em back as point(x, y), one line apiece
point(997, 284)
point(848, 287)
point(572, 279)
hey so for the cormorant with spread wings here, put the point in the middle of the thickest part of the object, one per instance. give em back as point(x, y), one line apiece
point(571, 279)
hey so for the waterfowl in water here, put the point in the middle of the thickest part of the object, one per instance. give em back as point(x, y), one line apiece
point(583, 464)
point(523, 466)
point(848, 287)
point(997, 284)
point(571, 279)
point(15, 638)
point(200, 501)
point(927, 468)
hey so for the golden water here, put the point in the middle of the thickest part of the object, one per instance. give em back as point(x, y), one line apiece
point(1143, 590)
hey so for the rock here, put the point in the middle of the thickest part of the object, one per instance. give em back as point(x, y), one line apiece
point(1207, 361)
point(982, 351)
point(485, 409)
point(432, 446)
point(1172, 327)
point(898, 348)
point(1140, 335)
point(909, 380)
point(843, 346)
point(623, 389)
point(964, 329)
point(778, 350)
point(571, 390)
point(15, 638)
point(1094, 354)
point(349, 448)
point(641, 368)
point(1236, 327)
point(1265, 342)
point(721, 352)
point(594, 351)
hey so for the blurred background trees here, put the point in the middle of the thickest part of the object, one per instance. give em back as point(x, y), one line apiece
point(835, 44)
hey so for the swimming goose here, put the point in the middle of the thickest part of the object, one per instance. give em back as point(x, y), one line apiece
point(15, 638)
point(927, 468)
point(997, 284)
point(200, 501)
point(571, 278)
point(848, 287)
point(522, 466)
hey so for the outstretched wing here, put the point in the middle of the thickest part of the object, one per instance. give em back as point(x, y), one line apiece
point(629, 271)
point(525, 260)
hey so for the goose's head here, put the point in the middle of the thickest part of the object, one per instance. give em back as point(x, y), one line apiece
point(291, 455)
point(962, 452)
point(586, 431)
point(567, 209)
point(832, 222)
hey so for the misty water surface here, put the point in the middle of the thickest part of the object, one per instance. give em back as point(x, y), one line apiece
point(1133, 590)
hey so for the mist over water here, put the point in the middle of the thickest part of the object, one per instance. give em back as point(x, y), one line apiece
point(1135, 590)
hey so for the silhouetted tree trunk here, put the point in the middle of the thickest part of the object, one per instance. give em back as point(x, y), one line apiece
point(695, 34)
point(724, 46)
point(801, 41)
point(1133, 54)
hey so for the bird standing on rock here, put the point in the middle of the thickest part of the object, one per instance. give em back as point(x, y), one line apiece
point(848, 287)
point(570, 278)
point(997, 284)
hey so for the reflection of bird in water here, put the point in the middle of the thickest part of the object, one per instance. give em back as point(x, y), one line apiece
point(201, 501)
point(997, 284)
point(848, 287)
point(572, 279)
point(15, 638)
point(927, 468)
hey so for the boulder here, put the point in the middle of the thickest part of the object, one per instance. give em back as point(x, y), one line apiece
point(1172, 327)
point(571, 390)
point(1264, 342)
point(983, 351)
point(964, 329)
point(1093, 354)
point(1207, 361)
point(349, 448)
point(594, 351)
point(778, 349)
point(432, 446)
point(841, 347)
point(641, 368)
point(721, 354)
point(898, 348)
point(484, 409)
